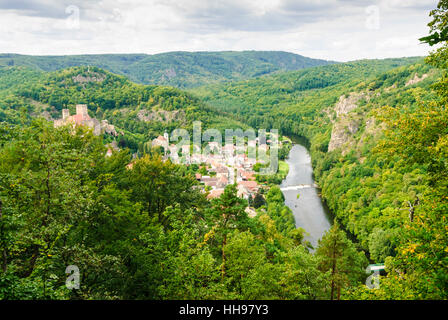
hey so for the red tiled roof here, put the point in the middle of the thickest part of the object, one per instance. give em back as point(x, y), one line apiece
point(247, 175)
point(215, 193)
point(221, 170)
point(249, 184)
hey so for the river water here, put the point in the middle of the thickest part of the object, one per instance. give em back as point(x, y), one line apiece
point(309, 211)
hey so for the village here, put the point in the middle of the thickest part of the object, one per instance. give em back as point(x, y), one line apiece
point(223, 165)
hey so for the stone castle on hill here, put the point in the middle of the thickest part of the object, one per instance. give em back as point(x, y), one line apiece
point(82, 118)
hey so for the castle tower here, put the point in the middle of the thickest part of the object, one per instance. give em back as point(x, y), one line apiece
point(81, 109)
point(166, 136)
point(65, 114)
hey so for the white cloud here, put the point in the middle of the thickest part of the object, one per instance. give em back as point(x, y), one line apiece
point(330, 29)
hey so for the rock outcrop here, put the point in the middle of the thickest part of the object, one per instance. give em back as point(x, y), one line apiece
point(347, 104)
point(92, 77)
point(161, 115)
point(416, 79)
point(345, 125)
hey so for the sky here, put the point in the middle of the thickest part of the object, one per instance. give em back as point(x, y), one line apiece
point(340, 30)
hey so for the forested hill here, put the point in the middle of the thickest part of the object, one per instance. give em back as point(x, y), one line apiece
point(141, 111)
point(179, 69)
point(378, 133)
point(378, 142)
point(292, 101)
point(261, 96)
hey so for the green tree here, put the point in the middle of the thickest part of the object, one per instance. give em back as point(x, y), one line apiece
point(382, 244)
point(157, 184)
point(339, 257)
point(228, 213)
point(258, 201)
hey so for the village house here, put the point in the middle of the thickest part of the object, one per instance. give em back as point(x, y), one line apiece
point(173, 155)
point(240, 148)
point(228, 166)
point(214, 146)
point(196, 158)
point(242, 192)
point(214, 160)
point(215, 193)
point(244, 175)
point(161, 141)
point(221, 171)
point(210, 181)
point(185, 149)
point(228, 149)
point(222, 182)
point(247, 188)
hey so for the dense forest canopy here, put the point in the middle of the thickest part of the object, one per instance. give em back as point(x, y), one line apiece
point(179, 69)
point(378, 136)
point(28, 93)
point(386, 181)
point(144, 233)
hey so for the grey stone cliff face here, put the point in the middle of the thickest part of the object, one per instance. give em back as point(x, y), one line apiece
point(161, 115)
point(345, 126)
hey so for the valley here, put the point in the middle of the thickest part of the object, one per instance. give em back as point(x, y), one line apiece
point(95, 186)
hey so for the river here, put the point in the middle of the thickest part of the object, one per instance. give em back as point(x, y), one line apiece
point(309, 211)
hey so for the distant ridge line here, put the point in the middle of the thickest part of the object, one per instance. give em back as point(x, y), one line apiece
point(182, 69)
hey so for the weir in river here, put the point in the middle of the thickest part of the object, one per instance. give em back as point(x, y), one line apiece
point(300, 186)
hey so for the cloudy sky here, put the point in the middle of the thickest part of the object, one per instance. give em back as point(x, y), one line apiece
point(340, 30)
